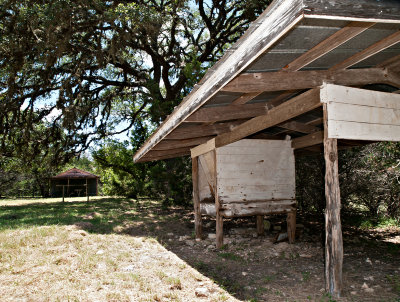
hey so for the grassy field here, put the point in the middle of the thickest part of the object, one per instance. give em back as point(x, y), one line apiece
point(95, 251)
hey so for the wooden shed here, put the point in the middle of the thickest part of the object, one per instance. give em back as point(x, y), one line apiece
point(74, 183)
point(313, 75)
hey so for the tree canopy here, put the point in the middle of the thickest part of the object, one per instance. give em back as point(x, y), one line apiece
point(87, 66)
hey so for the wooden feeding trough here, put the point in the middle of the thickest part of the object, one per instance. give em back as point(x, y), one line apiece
point(251, 177)
point(313, 75)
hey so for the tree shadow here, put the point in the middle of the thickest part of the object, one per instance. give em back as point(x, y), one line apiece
point(173, 228)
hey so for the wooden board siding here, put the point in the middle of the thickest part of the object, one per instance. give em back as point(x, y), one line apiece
point(205, 194)
point(255, 170)
point(361, 114)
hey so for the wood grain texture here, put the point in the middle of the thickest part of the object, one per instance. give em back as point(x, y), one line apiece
point(379, 11)
point(266, 173)
point(333, 228)
point(257, 208)
point(260, 225)
point(298, 80)
point(369, 51)
point(226, 113)
point(196, 198)
point(361, 114)
point(341, 36)
point(308, 140)
point(291, 226)
point(194, 131)
point(288, 110)
point(181, 143)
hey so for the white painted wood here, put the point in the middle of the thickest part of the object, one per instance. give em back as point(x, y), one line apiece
point(204, 188)
point(357, 96)
point(257, 208)
point(361, 114)
point(363, 131)
point(251, 170)
point(208, 209)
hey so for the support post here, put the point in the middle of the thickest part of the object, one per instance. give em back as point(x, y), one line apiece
point(260, 225)
point(219, 229)
point(333, 228)
point(196, 198)
point(87, 191)
point(63, 193)
point(291, 226)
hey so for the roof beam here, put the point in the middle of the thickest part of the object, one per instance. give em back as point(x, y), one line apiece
point(193, 131)
point(298, 127)
point(298, 80)
point(286, 111)
point(369, 51)
point(245, 98)
point(164, 154)
point(181, 143)
point(341, 36)
point(226, 113)
point(308, 140)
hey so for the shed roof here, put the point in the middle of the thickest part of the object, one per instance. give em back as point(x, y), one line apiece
point(294, 46)
point(75, 173)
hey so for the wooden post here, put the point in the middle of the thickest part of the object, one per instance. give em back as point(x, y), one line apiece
point(196, 200)
point(260, 225)
point(291, 226)
point(87, 191)
point(63, 193)
point(333, 228)
point(219, 223)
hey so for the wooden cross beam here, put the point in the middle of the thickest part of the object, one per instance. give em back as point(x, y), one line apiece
point(298, 80)
point(226, 113)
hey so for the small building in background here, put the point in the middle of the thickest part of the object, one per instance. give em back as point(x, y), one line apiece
point(74, 183)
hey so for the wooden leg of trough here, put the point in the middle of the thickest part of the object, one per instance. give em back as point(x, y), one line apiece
point(196, 198)
point(291, 226)
point(333, 228)
point(219, 230)
point(260, 225)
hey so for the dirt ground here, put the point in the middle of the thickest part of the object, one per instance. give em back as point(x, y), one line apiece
point(121, 250)
point(251, 267)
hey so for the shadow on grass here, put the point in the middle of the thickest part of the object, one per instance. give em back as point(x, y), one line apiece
point(147, 218)
point(102, 215)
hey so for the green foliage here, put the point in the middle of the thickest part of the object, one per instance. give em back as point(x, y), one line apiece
point(369, 181)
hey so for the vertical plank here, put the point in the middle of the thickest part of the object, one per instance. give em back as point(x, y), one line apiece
point(291, 226)
point(196, 200)
point(219, 218)
point(333, 228)
point(260, 225)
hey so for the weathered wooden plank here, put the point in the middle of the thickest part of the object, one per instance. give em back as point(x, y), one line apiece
point(274, 23)
point(360, 131)
point(247, 97)
point(271, 202)
point(208, 209)
point(204, 148)
point(369, 10)
point(181, 143)
point(206, 192)
point(298, 80)
point(196, 199)
point(229, 197)
point(356, 96)
point(209, 170)
point(364, 114)
point(291, 226)
point(369, 51)
point(288, 110)
point(299, 127)
point(165, 154)
point(308, 140)
point(226, 113)
point(193, 131)
point(251, 209)
point(341, 36)
point(333, 228)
